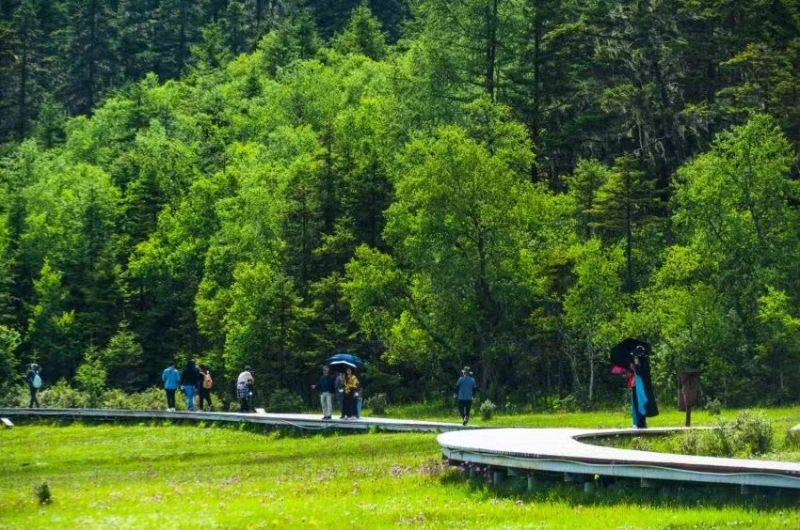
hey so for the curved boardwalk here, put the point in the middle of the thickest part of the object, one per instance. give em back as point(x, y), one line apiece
point(563, 451)
point(300, 421)
point(513, 450)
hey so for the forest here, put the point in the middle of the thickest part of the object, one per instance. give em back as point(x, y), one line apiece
point(513, 185)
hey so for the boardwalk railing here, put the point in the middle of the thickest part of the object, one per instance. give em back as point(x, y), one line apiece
point(300, 421)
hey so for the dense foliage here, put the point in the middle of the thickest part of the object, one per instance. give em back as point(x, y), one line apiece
point(513, 185)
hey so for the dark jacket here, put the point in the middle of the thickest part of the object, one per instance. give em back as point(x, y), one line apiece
point(191, 375)
point(327, 383)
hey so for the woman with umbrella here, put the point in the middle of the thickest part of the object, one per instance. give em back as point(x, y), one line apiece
point(352, 389)
point(347, 384)
point(631, 358)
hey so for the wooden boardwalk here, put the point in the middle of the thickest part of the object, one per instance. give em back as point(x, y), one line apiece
point(508, 450)
point(566, 451)
point(300, 421)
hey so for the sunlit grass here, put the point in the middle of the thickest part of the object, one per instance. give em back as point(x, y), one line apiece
point(142, 476)
point(781, 416)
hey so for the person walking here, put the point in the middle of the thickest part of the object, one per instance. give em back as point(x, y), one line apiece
point(172, 380)
point(339, 385)
point(352, 389)
point(327, 388)
point(34, 380)
point(244, 389)
point(204, 390)
point(465, 391)
point(190, 380)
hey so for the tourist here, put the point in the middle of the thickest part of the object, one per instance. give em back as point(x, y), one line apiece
point(643, 403)
point(465, 391)
point(352, 389)
point(34, 380)
point(339, 384)
point(204, 390)
point(327, 388)
point(190, 380)
point(171, 379)
point(244, 389)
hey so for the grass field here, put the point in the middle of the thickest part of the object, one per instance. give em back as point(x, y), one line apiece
point(167, 476)
point(782, 417)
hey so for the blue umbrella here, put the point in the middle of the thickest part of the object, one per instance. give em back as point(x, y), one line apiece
point(344, 360)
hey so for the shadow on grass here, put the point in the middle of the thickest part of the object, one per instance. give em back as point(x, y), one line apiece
point(608, 492)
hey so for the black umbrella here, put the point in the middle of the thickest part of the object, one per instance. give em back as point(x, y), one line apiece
point(622, 353)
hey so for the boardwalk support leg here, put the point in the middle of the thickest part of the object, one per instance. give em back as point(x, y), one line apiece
point(498, 475)
point(531, 482)
point(646, 483)
point(588, 486)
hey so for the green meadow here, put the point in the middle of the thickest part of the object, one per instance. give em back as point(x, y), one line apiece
point(170, 476)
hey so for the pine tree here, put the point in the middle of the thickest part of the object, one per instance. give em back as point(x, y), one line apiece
point(623, 204)
point(363, 35)
point(88, 60)
point(51, 334)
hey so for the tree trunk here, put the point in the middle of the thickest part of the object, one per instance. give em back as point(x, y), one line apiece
point(591, 375)
point(491, 48)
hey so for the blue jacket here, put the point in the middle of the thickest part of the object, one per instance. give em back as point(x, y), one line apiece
point(465, 387)
point(171, 378)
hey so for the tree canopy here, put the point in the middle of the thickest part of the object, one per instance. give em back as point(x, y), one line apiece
point(509, 185)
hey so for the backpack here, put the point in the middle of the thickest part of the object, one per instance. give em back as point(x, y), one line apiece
point(207, 381)
point(37, 381)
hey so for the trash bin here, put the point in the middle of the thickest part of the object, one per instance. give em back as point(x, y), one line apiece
point(688, 392)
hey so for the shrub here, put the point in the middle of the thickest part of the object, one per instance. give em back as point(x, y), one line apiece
point(378, 403)
point(116, 399)
point(754, 433)
point(154, 399)
point(510, 408)
point(568, 403)
point(714, 407)
point(283, 400)
point(43, 493)
point(749, 434)
point(487, 409)
point(150, 399)
point(63, 396)
point(14, 396)
point(793, 438)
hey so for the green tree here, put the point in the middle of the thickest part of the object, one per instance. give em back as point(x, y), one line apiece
point(9, 342)
point(362, 35)
point(51, 334)
point(592, 309)
point(625, 203)
point(91, 376)
point(781, 348)
point(584, 184)
point(123, 360)
point(87, 59)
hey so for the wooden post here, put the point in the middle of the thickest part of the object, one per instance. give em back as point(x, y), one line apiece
point(688, 416)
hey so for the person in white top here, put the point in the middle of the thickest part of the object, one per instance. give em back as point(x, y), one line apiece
point(244, 389)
